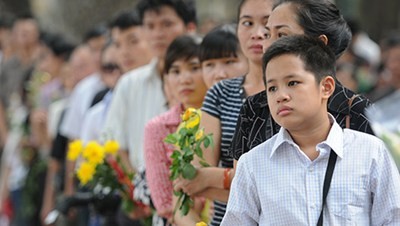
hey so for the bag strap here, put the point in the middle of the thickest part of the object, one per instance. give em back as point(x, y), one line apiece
point(327, 183)
point(350, 102)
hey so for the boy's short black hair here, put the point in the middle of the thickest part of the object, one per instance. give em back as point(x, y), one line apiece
point(182, 48)
point(95, 32)
point(219, 43)
point(126, 20)
point(317, 57)
point(6, 21)
point(185, 9)
point(58, 44)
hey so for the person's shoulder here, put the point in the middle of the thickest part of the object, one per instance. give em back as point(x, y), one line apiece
point(170, 117)
point(87, 83)
point(232, 82)
point(363, 138)
point(141, 73)
point(226, 87)
point(261, 151)
point(346, 101)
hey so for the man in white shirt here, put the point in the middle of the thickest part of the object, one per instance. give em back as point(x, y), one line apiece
point(286, 180)
point(139, 95)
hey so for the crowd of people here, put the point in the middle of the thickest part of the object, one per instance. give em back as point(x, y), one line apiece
point(282, 90)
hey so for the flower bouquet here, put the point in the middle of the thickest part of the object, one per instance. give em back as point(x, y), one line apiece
point(385, 121)
point(100, 168)
point(188, 141)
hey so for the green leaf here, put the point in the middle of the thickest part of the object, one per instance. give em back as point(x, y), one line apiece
point(175, 154)
point(204, 163)
point(186, 205)
point(171, 139)
point(207, 142)
point(177, 193)
point(188, 171)
point(185, 209)
point(183, 132)
point(127, 205)
point(198, 151)
point(175, 172)
point(211, 139)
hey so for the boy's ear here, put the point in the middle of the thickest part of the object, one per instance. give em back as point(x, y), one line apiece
point(328, 86)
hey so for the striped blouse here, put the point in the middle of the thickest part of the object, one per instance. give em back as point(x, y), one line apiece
point(224, 101)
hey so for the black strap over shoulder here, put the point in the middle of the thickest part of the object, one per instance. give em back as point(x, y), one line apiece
point(327, 183)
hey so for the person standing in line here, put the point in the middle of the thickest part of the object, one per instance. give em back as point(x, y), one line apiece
point(255, 124)
point(182, 71)
point(221, 56)
point(139, 96)
point(221, 107)
point(312, 172)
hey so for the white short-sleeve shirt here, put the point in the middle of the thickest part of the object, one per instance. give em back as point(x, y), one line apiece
point(79, 102)
point(137, 98)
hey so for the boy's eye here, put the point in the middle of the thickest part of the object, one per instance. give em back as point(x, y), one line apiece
point(247, 23)
point(271, 89)
point(293, 83)
point(267, 35)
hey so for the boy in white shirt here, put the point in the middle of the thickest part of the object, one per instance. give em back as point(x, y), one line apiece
point(286, 180)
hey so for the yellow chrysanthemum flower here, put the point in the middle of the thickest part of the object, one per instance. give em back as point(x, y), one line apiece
point(94, 153)
point(85, 172)
point(74, 150)
point(202, 223)
point(111, 147)
point(199, 134)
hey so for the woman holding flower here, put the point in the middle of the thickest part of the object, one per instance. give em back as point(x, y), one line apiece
point(221, 108)
point(183, 73)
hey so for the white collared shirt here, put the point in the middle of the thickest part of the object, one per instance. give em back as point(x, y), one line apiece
point(137, 98)
point(78, 104)
point(277, 184)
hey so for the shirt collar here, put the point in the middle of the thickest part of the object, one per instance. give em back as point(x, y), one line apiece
point(174, 115)
point(334, 139)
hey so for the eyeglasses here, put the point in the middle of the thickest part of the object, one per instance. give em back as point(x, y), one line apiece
point(109, 67)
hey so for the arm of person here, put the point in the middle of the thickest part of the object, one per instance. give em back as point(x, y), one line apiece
point(208, 183)
point(3, 126)
point(49, 189)
point(211, 125)
point(385, 189)
point(4, 192)
point(69, 187)
point(157, 168)
point(244, 205)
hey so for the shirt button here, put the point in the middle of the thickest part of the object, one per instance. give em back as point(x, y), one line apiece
point(240, 91)
point(312, 206)
point(310, 169)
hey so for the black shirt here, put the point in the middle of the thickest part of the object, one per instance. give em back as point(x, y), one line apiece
point(255, 123)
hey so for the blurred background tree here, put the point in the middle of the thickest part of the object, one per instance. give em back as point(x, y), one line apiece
point(74, 17)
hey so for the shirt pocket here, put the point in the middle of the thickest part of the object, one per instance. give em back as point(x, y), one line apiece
point(349, 201)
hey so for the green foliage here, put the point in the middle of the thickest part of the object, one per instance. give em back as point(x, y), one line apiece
point(188, 141)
